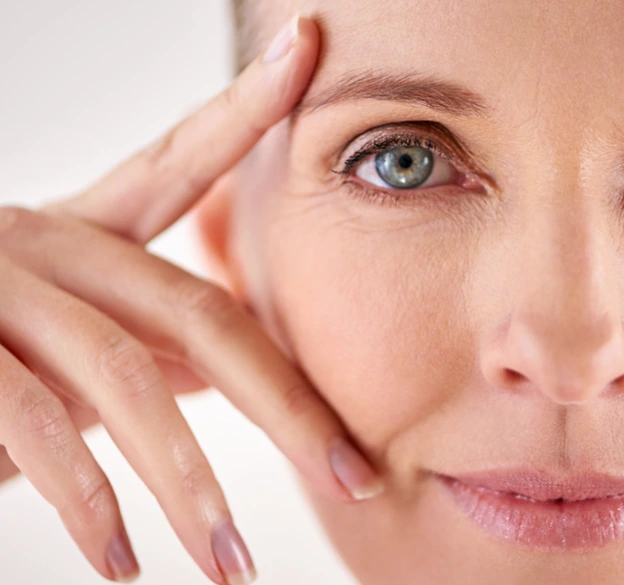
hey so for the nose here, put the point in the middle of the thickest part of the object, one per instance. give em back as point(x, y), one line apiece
point(561, 334)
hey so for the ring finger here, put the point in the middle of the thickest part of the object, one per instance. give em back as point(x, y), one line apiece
point(100, 363)
point(41, 440)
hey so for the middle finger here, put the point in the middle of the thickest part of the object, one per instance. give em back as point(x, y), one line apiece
point(94, 359)
point(195, 321)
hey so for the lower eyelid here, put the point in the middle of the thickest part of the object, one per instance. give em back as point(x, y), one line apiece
point(470, 178)
point(423, 205)
point(438, 199)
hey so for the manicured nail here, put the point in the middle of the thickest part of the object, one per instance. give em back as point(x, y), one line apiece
point(121, 559)
point(283, 41)
point(353, 471)
point(232, 555)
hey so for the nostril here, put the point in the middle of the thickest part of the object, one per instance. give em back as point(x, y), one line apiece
point(511, 378)
point(619, 381)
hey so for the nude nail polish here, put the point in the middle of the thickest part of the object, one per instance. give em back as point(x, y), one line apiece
point(283, 41)
point(121, 559)
point(232, 554)
point(353, 471)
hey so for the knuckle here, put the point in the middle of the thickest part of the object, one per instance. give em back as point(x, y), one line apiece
point(201, 302)
point(299, 399)
point(164, 166)
point(96, 500)
point(195, 480)
point(46, 418)
point(12, 216)
point(234, 100)
point(127, 363)
point(159, 160)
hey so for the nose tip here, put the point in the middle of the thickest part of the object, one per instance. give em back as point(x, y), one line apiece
point(569, 363)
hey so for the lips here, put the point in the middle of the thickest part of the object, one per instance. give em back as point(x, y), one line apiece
point(542, 511)
point(543, 487)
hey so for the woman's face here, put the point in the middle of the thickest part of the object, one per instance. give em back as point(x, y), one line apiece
point(459, 304)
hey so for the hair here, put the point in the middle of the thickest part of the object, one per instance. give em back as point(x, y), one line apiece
point(254, 24)
point(245, 34)
point(237, 14)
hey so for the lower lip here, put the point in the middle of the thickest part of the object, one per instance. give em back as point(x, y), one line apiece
point(541, 525)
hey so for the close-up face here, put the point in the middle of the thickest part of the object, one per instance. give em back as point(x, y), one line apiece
point(435, 237)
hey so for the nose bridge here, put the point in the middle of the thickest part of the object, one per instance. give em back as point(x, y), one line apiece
point(565, 247)
point(564, 332)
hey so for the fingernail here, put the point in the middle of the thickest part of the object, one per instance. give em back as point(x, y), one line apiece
point(232, 555)
point(121, 559)
point(353, 471)
point(283, 41)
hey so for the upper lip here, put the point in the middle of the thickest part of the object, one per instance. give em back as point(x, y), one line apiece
point(543, 486)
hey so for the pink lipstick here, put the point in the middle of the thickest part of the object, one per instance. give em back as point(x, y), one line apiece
point(542, 511)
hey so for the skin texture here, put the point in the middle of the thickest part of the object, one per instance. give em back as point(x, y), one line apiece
point(114, 334)
point(467, 329)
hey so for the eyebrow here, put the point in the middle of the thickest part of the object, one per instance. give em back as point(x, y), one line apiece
point(430, 91)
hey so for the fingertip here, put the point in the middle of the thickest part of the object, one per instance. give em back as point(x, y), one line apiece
point(309, 35)
point(232, 554)
point(300, 33)
point(353, 471)
point(309, 49)
point(288, 64)
point(304, 58)
point(121, 559)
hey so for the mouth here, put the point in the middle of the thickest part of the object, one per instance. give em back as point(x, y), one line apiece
point(540, 511)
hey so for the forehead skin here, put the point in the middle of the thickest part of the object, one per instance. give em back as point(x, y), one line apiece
point(553, 65)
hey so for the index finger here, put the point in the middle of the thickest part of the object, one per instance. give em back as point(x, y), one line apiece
point(153, 189)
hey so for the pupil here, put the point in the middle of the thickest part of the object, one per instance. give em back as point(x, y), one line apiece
point(405, 161)
point(404, 167)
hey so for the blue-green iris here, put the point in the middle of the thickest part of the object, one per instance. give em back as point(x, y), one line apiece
point(405, 167)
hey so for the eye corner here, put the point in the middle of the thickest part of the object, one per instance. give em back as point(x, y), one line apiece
point(339, 172)
point(447, 167)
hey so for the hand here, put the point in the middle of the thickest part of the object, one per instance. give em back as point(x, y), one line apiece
point(92, 323)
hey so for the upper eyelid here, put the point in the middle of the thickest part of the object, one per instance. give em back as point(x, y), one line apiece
point(380, 144)
point(458, 154)
point(406, 134)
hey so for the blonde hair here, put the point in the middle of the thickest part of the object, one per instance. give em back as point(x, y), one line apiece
point(255, 23)
point(237, 12)
point(246, 33)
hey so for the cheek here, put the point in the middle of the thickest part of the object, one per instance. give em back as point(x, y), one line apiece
point(373, 317)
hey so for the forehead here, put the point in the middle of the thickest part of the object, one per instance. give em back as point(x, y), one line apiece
point(556, 54)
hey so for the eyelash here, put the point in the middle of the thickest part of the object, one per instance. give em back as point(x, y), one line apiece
point(392, 197)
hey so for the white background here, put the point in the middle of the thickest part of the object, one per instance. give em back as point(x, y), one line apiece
point(83, 84)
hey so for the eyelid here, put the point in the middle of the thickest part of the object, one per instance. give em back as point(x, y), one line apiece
point(405, 134)
point(429, 134)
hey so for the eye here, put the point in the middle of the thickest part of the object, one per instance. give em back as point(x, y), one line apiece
point(406, 167)
point(396, 164)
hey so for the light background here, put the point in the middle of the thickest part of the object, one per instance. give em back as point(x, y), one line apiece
point(83, 84)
